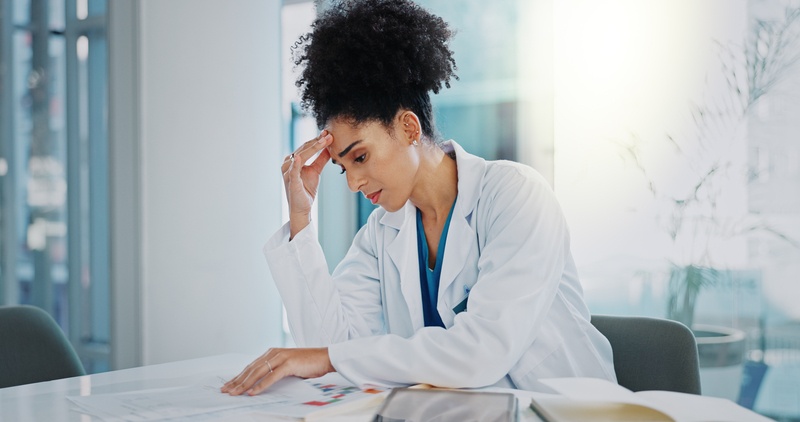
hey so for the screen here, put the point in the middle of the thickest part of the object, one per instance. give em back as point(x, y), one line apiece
point(418, 405)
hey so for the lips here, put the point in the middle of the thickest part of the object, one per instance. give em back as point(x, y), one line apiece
point(374, 196)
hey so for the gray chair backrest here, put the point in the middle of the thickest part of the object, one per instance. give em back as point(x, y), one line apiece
point(652, 353)
point(33, 348)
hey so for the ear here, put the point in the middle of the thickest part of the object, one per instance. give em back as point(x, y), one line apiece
point(409, 125)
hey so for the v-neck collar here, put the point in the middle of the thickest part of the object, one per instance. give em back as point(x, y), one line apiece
point(442, 240)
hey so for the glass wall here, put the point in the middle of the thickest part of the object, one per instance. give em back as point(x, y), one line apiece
point(53, 166)
point(676, 164)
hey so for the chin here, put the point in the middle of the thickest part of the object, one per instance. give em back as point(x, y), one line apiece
point(391, 208)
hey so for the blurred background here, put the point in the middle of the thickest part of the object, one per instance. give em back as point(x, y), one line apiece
point(140, 143)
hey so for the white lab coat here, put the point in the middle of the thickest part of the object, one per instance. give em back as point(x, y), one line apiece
point(507, 250)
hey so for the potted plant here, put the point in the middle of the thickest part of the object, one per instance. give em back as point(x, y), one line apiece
point(685, 284)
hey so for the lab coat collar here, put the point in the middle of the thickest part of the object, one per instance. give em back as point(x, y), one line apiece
point(470, 170)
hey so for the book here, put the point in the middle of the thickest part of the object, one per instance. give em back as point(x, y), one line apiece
point(593, 399)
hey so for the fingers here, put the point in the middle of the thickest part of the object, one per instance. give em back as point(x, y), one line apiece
point(277, 364)
point(276, 375)
point(265, 383)
point(321, 160)
point(243, 383)
point(306, 151)
point(229, 386)
point(251, 374)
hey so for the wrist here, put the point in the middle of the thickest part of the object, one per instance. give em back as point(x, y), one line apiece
point(297, 223)
point(328, 360)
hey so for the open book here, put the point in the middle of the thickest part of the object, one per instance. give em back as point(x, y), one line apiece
point(592, 399)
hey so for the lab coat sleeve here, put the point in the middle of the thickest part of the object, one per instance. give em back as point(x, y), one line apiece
point(519, 270)
point(321, 308)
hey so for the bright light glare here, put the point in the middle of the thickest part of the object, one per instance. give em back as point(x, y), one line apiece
point(82, 9)
point(625, 69)
point(83, 48)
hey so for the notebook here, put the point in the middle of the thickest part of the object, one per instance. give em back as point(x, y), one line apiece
point(592, 399)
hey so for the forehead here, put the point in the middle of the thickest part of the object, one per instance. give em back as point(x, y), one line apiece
point(345, 132)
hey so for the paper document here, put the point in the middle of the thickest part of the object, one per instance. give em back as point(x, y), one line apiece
point(290, 397)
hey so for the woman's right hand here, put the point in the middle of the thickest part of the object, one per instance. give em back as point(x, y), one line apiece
point(301, 181)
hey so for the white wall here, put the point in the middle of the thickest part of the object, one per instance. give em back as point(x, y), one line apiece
point(210, 154)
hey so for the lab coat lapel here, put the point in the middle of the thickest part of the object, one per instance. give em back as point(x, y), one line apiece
point(461, 237)
point(403, 253)
point(460, 241)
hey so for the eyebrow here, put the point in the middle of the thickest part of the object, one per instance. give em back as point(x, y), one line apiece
point(346, 150)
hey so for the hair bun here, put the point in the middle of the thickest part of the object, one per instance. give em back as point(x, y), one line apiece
point(365, 59)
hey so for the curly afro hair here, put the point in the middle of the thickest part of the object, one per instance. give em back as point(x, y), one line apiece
point(366, 59)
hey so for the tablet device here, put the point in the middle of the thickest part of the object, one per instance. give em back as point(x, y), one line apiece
point(418, 405)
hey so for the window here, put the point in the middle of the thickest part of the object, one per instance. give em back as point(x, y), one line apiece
point(673, 163)
point(53, 167)
point(296, 19)
point(486, 109)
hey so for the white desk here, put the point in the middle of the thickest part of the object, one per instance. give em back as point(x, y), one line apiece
point(46, 401)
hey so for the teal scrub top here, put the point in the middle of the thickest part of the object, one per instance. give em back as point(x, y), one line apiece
point(429, 278)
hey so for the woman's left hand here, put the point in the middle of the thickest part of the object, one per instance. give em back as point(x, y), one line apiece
point(277, 364)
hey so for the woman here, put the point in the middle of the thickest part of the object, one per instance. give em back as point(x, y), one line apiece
point(463, 277)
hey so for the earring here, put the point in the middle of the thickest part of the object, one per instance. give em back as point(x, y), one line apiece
point(414, 142)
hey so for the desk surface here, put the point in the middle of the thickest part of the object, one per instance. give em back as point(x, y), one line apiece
point(46, 401)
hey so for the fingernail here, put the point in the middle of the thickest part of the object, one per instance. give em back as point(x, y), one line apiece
point(324, 139)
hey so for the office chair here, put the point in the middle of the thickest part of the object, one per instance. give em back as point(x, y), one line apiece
point(33, 348)
point(652, 353)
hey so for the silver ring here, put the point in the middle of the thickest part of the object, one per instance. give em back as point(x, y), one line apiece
point(268, 364)
point(291, 160)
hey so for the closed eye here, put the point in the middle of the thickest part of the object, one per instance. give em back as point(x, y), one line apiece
point(360, 159)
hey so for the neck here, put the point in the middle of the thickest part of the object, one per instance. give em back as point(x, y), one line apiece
point(436, 184)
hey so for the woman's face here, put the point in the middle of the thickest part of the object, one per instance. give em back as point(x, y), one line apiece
point(382, 167)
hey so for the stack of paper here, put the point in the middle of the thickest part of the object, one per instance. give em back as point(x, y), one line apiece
point(288, 398)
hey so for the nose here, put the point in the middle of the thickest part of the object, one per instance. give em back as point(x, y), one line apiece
point(354, 181)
